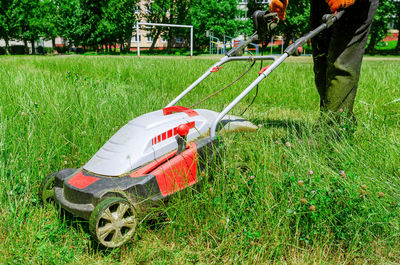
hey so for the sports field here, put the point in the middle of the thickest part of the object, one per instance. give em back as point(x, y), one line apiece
point(304, 196)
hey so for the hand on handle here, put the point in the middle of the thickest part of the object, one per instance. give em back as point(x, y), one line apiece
point(338, 4)
point(279, 7)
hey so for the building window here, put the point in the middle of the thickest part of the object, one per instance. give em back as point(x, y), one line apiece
point(137, 10)
point(179, 40)
point(133, 39)
point(149, 38)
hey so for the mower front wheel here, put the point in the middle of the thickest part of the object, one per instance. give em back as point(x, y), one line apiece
point(113, 222)
point(46, 190)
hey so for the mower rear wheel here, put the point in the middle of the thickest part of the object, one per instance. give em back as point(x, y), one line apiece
point(46, 190)
point(113, 222)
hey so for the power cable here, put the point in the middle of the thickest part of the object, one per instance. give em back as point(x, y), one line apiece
point(255, 96)
point(222, 89)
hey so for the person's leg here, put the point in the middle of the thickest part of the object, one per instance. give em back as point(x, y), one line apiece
point(320, 47)
point(346, 50)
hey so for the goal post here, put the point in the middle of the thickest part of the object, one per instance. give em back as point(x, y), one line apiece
point(138, 24)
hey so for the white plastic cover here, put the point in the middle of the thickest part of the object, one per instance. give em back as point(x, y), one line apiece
point(136, 143)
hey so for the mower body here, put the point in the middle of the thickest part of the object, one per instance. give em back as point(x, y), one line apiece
point(140, 162)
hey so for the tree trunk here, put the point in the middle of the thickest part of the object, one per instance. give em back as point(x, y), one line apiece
point(33, 47)
point(26, 47)
point(53, 43)
point(398, 44)
point(372, 42)
point(7, 46)
point(128, 46)
point(156, 36)
point(169, 44)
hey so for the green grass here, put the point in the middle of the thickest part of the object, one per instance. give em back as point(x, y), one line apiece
point(56, 112)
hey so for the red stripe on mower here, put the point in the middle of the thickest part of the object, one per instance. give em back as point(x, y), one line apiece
point(81, 181)
point(170, 133)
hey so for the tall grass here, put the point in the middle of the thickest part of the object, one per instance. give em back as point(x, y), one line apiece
point(300, 196)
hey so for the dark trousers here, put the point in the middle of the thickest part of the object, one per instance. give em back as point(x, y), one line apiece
point(338, 53)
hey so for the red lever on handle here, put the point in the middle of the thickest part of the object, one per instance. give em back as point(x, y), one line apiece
point(263, 69)
point(215, 69)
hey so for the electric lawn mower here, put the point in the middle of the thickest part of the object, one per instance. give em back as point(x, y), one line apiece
point(159, 153)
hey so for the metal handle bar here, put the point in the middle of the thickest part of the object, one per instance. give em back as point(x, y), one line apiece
point(328, 21)
point(237, 49)
point(224, 60)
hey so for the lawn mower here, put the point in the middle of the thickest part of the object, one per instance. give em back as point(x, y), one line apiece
point(159, 153)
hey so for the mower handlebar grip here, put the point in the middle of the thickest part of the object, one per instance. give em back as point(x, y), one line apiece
point(330, 19)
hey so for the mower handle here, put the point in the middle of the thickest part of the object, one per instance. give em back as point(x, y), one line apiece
point(328, 21)
point(218, 64)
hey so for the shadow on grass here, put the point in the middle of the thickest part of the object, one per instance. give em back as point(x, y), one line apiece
point(296, 128)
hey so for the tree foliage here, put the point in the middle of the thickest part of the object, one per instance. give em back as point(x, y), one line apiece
point(101, 23)
point(117, 22)
point(166, 12)
point(9, 25)
point(297, 21)
point(384, 15)
point(397, 21)
point(217, 16)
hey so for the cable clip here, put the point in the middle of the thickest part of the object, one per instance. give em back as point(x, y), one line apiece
point(216, 69)
point(263, 69)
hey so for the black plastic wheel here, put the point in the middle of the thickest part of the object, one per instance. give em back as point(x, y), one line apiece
point(113, 222)
point(46, 190)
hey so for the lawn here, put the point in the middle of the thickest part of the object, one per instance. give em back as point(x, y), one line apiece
point(56, 112)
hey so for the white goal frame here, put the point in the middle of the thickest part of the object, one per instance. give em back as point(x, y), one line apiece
point(163, 25)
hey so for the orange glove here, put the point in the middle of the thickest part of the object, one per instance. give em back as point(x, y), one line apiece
point(337, 4)
point(279, 7)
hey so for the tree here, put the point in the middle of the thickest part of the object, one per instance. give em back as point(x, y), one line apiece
point(166, 12)
point(92, 14)
point(117, 22)
point(28, 14)
point(217, 16)
point(69, 17)
point(397, 21)
point(379, 27)
point(49, 23)
point(9, 23)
